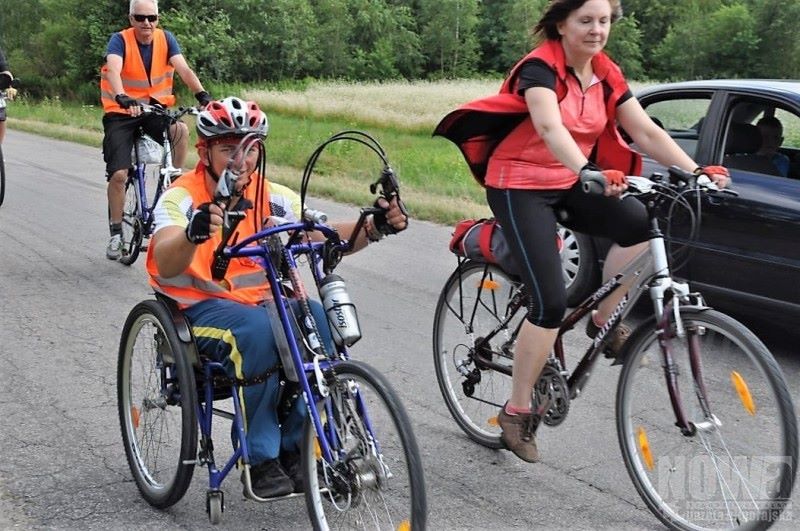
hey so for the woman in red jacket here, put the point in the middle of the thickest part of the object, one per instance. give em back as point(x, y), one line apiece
point(574, 95)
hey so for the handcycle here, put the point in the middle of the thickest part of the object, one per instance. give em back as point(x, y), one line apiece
point(360, 461)
point(5, 83)
point(704, 418)
point(152, 173)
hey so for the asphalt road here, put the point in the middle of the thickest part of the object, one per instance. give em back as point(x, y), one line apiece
point(62, 306)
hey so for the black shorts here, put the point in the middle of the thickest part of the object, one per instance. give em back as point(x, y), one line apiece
point(3, 114)
point(120, 132)
point(529, 219)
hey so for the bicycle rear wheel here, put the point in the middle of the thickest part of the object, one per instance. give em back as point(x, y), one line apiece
point(131, 223)
point(157, 401)
point(737, 467)
point(2, 176)
point(475, 300)
point(376, 480)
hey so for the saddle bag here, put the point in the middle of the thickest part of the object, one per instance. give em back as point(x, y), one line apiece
point(483, 240)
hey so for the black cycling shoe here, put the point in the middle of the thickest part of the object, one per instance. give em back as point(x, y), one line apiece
point(290, 461)
point(269, 480)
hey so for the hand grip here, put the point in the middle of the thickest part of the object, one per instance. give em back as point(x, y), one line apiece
point(593, 182)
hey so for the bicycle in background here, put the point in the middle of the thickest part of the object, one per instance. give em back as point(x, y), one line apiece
point(151, 174)
point(6, 83)
point(705, 421)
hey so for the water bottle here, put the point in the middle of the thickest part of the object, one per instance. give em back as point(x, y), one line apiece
point(340, 310)
point(280, 341)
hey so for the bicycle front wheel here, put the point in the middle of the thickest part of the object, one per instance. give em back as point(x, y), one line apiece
point(2, 176)
point(131, 223)
point(376, 479)
point(735, 468)
point(476, 301)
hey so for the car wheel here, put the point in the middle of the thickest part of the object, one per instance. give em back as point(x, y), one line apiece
point(578, 265)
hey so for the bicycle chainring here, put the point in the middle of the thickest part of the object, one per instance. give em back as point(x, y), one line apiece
point(552, 388)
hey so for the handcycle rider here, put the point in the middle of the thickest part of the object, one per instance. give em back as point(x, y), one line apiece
point(568, 97)
point(139, 67)
point(228, 320)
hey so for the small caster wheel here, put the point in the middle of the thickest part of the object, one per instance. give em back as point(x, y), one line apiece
point(215, 505)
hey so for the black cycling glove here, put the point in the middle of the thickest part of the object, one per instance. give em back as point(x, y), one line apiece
point(125, 101)
point(379, 219)
point(203, 98)
point(199, 228)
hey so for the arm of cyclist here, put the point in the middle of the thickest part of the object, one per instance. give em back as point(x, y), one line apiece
point(546, 116)
point(372, 231)
point(113, 74)
point(655, 141)
point(188, 76)
point(175, 241)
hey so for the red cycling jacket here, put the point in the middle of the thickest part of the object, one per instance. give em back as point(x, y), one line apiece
point(501, 146)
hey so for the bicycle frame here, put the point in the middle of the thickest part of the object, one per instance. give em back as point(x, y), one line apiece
point(257, 247)
point(650, 272)
point(166, 173)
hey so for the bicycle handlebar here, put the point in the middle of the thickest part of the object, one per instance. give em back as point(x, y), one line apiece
point(173, 115)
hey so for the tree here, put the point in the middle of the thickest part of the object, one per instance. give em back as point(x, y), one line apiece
point(448, 36)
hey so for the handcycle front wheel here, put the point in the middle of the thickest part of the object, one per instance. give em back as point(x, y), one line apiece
point(736, 467)
point(475, 300)
point(132, 227)
point(376, 478)
point(157, 401)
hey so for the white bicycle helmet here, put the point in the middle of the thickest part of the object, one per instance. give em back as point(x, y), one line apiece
point(231, 117)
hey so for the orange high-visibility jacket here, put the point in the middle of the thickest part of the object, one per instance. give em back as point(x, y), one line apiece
point(134, 76)
point(245, 280)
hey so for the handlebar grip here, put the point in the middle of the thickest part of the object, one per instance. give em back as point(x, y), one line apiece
point(593, 182)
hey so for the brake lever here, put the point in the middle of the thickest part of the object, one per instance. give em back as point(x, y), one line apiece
point(389, 187)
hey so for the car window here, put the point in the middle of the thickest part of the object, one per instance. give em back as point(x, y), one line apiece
point(682, 118)
point(762, 138)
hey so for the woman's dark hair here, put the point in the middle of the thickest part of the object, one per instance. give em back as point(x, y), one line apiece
point(559, 10)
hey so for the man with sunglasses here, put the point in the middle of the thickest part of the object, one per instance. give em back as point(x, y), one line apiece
point(140, 64)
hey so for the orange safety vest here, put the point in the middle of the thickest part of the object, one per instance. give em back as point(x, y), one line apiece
point(500, 126)
point(245, 280)
point(135, 81)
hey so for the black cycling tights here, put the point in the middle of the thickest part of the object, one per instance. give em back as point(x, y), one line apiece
point(529, 218)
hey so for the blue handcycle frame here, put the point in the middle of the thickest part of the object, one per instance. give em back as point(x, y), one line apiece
point(255, 247)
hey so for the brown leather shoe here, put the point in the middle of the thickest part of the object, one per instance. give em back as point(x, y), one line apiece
point(518, 435)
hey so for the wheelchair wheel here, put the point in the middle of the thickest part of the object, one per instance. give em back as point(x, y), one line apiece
point(131, 223)
point(375, 480)
point(157, 400)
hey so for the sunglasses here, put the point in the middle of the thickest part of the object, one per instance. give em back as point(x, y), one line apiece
point(142, 18)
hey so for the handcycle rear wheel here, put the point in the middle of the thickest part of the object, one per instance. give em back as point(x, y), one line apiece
point(2, 176)
point(156, 398)
point(376, 480)
point(474, 301)
point(737, 468)
point(131, 223)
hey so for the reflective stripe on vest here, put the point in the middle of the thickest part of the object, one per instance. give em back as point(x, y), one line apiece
point(134, 75)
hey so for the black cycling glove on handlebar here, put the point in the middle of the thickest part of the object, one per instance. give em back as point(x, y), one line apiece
point(199, 228)
point(125, 101)
point(379, 219)
point(203, 98)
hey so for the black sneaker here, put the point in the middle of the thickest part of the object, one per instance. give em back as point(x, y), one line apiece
point(269, 480)
point(290, 461)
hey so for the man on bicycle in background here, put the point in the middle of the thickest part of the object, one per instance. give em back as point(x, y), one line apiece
point(5, 73)
point(139, 68)
point(228, 318)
